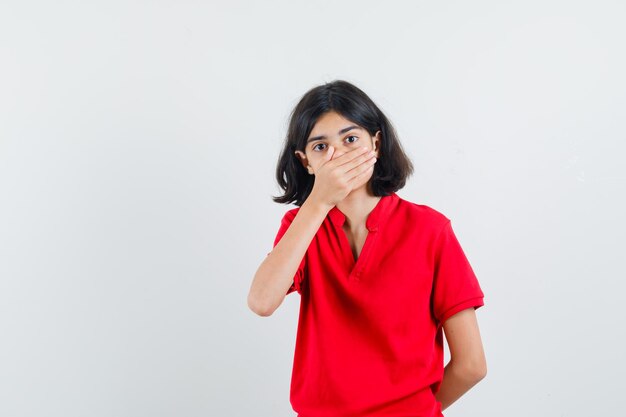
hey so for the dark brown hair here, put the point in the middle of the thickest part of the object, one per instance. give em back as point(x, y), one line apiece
point(392, 168)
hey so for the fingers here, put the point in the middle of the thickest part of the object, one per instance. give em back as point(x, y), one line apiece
point(327, 156)
point(366, 166)
point(349, 156)
point(358, 160)
point(348, 169)
point(361, 173)
point(342, 159)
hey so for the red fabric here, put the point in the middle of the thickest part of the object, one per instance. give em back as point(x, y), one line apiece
point(369, 339)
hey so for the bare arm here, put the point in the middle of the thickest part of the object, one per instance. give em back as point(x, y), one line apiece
point(334, 179)
point(275, 274)
point(467, 365)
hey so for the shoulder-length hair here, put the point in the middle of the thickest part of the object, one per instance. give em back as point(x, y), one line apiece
point(392, 167)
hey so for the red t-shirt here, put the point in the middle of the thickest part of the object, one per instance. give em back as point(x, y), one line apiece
point(369, 339)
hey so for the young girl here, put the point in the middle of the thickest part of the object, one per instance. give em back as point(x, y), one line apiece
point(379, 277)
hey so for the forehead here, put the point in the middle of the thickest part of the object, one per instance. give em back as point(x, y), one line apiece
point(330, 122)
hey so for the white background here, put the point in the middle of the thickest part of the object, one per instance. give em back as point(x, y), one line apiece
point(138, 143)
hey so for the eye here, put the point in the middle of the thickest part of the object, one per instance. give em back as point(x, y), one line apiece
point(315, 147)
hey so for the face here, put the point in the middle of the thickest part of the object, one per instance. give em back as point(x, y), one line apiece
point(333, 129)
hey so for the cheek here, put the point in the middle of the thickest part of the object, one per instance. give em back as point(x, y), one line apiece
point(312, 161)
point(313, 158)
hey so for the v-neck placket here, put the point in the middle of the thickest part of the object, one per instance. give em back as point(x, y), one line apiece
point(356, 269)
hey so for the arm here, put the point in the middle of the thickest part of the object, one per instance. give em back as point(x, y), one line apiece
point(467, 365)
point(275, 274)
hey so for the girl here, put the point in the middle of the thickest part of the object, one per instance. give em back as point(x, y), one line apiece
point(379, 277)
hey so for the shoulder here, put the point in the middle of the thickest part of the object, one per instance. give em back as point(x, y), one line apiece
point(421, 215)
point(290, 214)
point(285, 222)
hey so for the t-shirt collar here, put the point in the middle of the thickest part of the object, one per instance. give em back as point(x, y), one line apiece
point(374, 219)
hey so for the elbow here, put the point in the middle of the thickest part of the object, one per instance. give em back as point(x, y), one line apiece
point(477, 371)
point(263, 312)
point(480, 372)
point(262, 297)
point(474, 371)
point(258, 308)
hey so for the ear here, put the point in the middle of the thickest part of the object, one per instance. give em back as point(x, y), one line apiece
point(376, 141)
point(305, 162)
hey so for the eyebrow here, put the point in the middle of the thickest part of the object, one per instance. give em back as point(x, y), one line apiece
point(342, 131)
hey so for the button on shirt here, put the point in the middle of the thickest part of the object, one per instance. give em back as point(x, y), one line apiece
point(369, 340)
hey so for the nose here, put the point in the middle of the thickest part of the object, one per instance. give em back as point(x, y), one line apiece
point(337, 153)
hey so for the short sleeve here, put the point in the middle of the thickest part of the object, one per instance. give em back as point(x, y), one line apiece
point(455, 286)
point(299, 275)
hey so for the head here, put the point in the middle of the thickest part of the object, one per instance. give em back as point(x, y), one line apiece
point(320, 119)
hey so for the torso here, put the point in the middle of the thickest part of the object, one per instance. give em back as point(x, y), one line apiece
point(376, 319)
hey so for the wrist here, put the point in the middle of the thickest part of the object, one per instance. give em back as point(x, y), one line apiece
point(317, 206)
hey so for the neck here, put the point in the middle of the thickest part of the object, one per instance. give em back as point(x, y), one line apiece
point(357, 206)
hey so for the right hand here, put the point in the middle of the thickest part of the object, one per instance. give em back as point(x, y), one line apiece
point(336, 178)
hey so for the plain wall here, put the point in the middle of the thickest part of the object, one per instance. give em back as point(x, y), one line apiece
point(138, 144)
